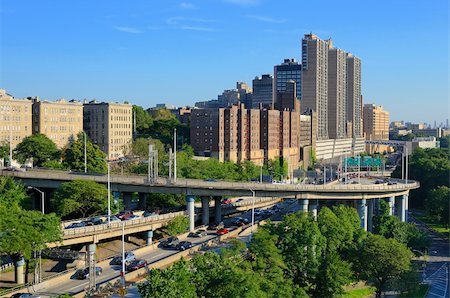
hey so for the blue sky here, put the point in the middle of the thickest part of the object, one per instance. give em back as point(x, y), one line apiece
point(179, 52)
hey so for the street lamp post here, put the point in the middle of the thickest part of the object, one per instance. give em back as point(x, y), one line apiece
point(123, 254)
point(37, 275)
point(109, 192)
point(253, 208)
point(85, 155)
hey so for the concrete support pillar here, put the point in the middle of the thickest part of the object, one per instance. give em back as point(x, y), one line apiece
point(205, 211)
point(91, 248)
point(127, 200)
point(191, 212)
point(143, 200)
point(403, 209)
point(370, 212)
point(313, 208)
point(362, 212)
point(303, 205)
point(19, 271)
point(148, 237)
point(406, 198)
point(377, 206)
point(218, 209)
point(391, 202)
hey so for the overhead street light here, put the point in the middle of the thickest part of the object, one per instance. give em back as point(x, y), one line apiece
point(253, 208)
point(42, 197)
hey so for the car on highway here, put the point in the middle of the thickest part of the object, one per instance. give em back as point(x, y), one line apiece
point(125, 214)
point(97, 221)
point(379, 181)
point(239, 200)
point(76, 225)
point(170, 242)
point(216, 226)
point(134, 216)
point(25, 295)
point(222, 231)
point(226, 201)
point(392, 183)
point(84, 273)
point(129, 257)
point(198, 234)
point(210, 180)
point(136, 264)
point(183, 245)
point(239, 221)
point(149, 214)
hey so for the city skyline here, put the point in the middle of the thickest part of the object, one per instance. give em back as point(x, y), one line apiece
point(115, 52)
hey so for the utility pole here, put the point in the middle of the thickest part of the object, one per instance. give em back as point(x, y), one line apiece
point(406, 168)
point(175, 155)
point(109, 193)
point(85, 155)
point(10, 136)
point(403, 162)
point(123, 254)
point(150, 162)
point(170, 163)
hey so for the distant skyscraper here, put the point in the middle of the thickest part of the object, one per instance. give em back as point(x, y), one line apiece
point(354, 98)
point(289, 70)
point(337, 90)
point(262, 91)
point(314, 80)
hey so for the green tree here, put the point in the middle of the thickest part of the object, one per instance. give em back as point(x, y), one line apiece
point(444, 142)
point(73, 156)
point(80, 198)
point(37, 146)
point(176, 226)
point(4, 150)
point(23, 231)
point(437, 204)
point(13, 193)
point(174, 281)
point(300, 241)
point(383, 260)
point(143, 120)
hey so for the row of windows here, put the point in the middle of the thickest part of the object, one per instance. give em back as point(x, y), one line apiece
point(63, 111)
point(13, 108)
point(13, 128)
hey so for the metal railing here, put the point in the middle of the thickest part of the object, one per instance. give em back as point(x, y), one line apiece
point(116, 225)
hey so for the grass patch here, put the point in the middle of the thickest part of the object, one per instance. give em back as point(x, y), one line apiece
point(359, 293)
point(440, 228)
point(419, 293)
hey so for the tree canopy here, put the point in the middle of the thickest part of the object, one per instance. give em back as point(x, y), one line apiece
point(73, 156)
point(37, 146)
point(80, 198)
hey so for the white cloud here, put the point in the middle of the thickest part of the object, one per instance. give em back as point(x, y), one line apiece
point(266, 19)
point(128, 29)
point(186, 5)
point(195, 28)
point(178, 20)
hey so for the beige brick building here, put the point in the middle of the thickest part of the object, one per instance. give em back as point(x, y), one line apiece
point(15, 119)
point(61, 121)
point(376, 125)
point(109, 125)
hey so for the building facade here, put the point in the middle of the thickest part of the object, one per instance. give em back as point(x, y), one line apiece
point(375, 126)
point(314, 80)
point(109, 125)
point(15, 119)
point(262, 91)
point(60, 121)
point(354, 97)
point(337, 93)
point(288, 71)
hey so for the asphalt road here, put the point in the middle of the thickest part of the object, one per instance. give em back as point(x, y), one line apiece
point(113, 271)
point(437, 265)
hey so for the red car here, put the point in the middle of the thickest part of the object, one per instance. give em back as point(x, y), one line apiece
point(226, 201)
point(125, 214)
point(222, 231)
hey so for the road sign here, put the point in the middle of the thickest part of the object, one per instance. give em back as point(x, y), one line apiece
point(122, 292)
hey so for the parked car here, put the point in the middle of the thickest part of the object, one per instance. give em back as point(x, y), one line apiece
point(216, 226)
point(129, 257)
point(123, 215)
point(170, 242)
point(198, 234)
point(84, 273)
point(136, 264)
point(222, 231)
point(183, 245)
point(76, 225)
